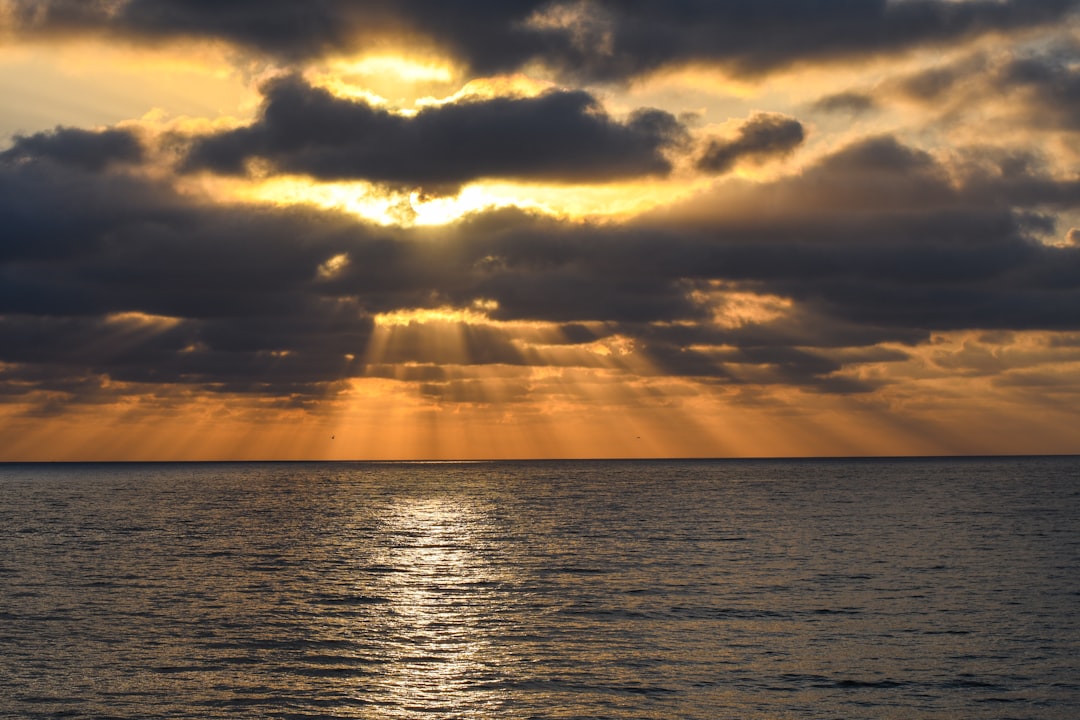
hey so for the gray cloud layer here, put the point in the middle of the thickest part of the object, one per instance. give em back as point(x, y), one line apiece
point(1038, 89)
point(601, 39)
point(875, 243)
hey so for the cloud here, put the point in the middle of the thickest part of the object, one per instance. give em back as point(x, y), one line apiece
point(560, 136)
point(593, 40)
point(89, 150)
point(875, 243)
point(1039, 90)
point(934, 84)
point(763, 135)
point(1050, 84)
point(764, 36)
point(135, 282)
point(851, 103)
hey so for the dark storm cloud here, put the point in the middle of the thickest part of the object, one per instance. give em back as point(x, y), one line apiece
point(234, 292)
point(603, 39)
point(130, 350)
point(86, 149)
point(104, 274)
point(757, 37)
point(875, 236)
point(560, 136)
point(762, 136)
point(766, 354)
point(285, 28)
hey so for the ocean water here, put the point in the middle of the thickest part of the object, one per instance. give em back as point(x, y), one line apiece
point(689, 589)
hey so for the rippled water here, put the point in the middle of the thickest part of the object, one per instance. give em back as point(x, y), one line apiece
point(800, 589)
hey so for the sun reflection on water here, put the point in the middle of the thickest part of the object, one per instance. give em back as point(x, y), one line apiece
point(440, 592)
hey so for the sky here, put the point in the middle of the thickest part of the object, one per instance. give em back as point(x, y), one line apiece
point(426, 230)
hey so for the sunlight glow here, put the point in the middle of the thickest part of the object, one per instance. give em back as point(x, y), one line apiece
point(406, 68)
point(333, 267)
point(391, 207)
point(95, 83)
point(446, 314)
point(357, 198)
point(142, 320)
point(395, 78)
point(517, 85)
point(732, 308)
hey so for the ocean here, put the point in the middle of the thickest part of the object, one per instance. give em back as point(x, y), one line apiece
point(901, 588)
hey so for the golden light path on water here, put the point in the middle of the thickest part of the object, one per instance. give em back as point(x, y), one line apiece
point(439, 592)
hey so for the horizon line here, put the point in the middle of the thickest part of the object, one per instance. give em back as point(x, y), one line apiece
point(465, 461)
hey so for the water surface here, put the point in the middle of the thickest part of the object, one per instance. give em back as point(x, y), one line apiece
point(690, 589)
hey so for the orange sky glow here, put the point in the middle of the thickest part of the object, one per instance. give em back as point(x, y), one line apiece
point(397, 242)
